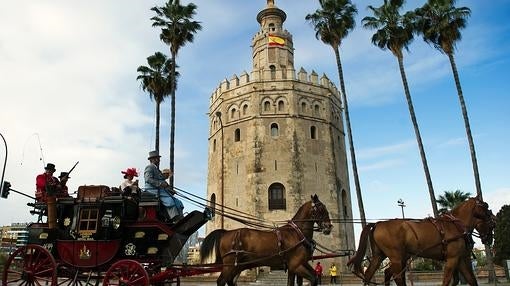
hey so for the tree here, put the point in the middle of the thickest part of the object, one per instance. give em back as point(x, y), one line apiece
point(177, 29)
point(332, 23)
point(502, 235)
point(395, 33)
point(156, 79)
point(440, 23)
point(450, 200)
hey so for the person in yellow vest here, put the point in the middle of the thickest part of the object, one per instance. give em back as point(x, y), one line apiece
point(332, 273)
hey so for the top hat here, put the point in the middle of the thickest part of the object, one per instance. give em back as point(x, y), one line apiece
point(153, 154)
point(50, 167)
point(130, 172)
point(64, 174)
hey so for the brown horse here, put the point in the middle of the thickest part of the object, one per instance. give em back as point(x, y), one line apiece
point(290, 246)
point(484, 229)
point(445, 238)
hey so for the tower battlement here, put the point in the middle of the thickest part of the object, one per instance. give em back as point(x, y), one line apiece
point(300, 78)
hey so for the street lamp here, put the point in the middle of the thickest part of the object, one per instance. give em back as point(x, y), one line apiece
point(218, 114)
point(401, 204)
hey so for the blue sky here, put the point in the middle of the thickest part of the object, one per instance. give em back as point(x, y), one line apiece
point(68, 74)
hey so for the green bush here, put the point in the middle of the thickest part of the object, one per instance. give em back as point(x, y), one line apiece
point(425, 264)
point(502, 235)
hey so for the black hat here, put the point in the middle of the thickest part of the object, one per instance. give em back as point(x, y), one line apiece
point(50, 167)
point(64, 174)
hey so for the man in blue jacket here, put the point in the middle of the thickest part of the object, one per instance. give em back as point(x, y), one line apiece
point(155, 183)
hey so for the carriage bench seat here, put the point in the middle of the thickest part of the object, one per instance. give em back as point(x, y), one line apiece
point(148, 199)
point(113, 199)
point(66, 201)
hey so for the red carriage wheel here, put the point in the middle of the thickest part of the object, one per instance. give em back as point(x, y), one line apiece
point(127, 273)
point(30, 265)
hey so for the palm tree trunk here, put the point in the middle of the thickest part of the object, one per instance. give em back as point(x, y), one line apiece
point(466, 124)
point(172, 121)
point(478, 185)
point(418, 136)
point(158, 118)
point(349, 135)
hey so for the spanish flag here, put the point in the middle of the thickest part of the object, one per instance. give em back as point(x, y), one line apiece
point(275, 41)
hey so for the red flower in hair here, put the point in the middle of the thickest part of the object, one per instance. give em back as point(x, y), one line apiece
point(130, 172)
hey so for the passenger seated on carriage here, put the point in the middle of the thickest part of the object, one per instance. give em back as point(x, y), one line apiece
point(46, 183)
point(155, 183)
point(62, 189)
point(128, 186)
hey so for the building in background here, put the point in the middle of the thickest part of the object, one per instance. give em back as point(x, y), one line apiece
point(13, 236)
point(276, 137)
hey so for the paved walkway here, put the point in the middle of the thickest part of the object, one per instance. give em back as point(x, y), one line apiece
point(480, 283)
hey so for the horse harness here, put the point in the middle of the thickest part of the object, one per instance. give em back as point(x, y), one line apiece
point(237, 245)
point(440, 229)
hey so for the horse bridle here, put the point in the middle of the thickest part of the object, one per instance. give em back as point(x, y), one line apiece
point(487, 218)
point(319, 215)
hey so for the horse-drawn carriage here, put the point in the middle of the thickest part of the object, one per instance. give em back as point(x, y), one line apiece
point(103, 236)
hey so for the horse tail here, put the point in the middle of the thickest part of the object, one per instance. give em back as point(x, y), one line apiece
point(212, 242)
point(356, 260)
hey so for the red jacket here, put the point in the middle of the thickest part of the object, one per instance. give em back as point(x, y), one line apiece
point(40, 183)
point(318, 269)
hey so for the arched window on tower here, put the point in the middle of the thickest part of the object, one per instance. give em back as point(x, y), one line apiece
point(303, 107)
point(245, 109)
point(316, 110)
point(214, 145)
point(276, 196)
point(274, 130)
point(281, 106)
point(344, 204)
point(272, 27)
point(273, 71)
point(267, 106)
point(213, 204)
point(313, 132)
point(237, 135)
point(232, 113)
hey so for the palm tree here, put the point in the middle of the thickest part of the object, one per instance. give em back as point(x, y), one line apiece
point(177, 29)
point(156, 79)
point(440, 24)
point(332, 23)
point(395, 33)
point(450, 200)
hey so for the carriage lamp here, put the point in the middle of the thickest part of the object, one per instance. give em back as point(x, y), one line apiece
point(106, 220)
point(116, 222)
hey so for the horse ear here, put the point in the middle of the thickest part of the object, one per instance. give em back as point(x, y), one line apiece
point(315, 198)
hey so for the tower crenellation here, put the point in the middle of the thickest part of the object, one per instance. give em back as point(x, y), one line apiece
point(302, 76)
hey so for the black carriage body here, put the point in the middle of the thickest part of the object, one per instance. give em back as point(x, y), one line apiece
point(100, 227)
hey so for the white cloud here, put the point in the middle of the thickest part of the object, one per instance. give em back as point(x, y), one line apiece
point(376, 152)
point(497, 198)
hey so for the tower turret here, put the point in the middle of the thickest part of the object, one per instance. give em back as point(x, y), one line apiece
point(273, 51)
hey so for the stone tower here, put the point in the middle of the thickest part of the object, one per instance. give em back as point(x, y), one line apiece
point(276, 138)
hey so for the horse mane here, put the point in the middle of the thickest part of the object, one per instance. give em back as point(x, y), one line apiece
point(462, 205)
point(210, 243)
point(302, 211)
